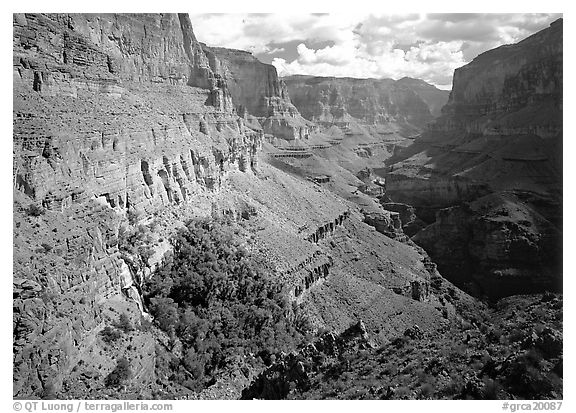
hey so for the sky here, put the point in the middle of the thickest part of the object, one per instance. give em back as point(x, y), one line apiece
point(363, 45)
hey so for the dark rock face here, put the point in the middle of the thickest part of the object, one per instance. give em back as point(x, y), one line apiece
point(411, 224)
point(498, 243)
point(371, 101)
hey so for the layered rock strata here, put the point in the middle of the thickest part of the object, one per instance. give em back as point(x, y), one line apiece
point(370, 101)
point(256, 90)
point(124, 129)
point(501, 128)
point(135, 147)
point(116, 118)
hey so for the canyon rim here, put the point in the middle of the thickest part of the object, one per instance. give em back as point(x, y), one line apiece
point(194, 221)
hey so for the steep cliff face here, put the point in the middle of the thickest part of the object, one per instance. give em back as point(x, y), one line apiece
point(502, 125)
point(371, 101)
point(115, 117)
point(125, 140)
point(500, 133)
point(500, 90)
point(256, 89)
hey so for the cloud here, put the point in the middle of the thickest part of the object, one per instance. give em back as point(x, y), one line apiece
point(473, 30)
point(425, 46)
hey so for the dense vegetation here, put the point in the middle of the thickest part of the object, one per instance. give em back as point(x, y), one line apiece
point(212, 297)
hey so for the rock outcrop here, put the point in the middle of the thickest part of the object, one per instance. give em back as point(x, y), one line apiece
point(125, 128)
point(257, 91)
point(385, 222)
point(116, 118)
point(134, 149)
point(411, 224)
point(291, 371)
point(496, 246)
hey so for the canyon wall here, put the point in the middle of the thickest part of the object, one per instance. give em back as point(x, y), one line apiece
point(433, 97)
point(502, 125)
point(495, 151)
point(371, 101)
point(116, 118)
point(496, 246)
point(125, 141)
point(513, 89)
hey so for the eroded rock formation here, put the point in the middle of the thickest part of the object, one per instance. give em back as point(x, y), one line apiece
point(125, 127)
point(411, 224)
point(115, 117)
point(256, 90)
point(498, 244)
point(134, 149)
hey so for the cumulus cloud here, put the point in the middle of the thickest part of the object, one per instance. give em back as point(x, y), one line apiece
point(364, 45)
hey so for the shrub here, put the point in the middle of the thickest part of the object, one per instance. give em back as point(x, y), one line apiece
point(35, 210)
point(124, 323)
point(121, 373)
point(110, 334)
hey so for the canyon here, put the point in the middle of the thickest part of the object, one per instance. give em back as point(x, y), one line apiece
point(488, 171)
point(126, 128)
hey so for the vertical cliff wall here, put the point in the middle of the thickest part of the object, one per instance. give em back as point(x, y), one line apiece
point(256, 89)
point(142, 146)
point(502, 125)
point(522, 79)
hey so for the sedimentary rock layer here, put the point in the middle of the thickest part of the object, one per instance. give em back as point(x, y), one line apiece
point(115, 116)
point(370, 101)
point(256, 90)
point(501, 127)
